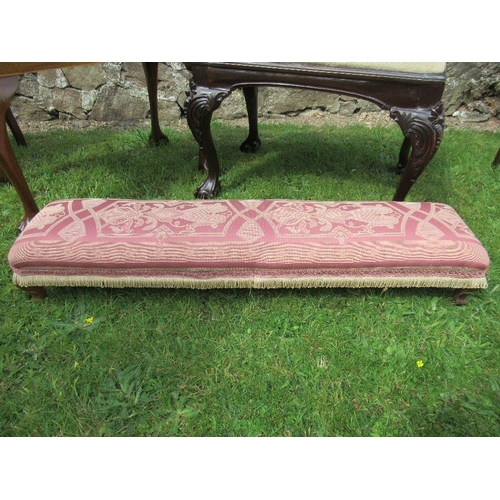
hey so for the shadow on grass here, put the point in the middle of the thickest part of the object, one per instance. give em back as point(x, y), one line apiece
point(319, 163)
point(293, 162)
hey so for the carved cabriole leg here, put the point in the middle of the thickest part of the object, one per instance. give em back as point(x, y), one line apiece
point(151, 72)
point(201, 102)
point(252, 142)
point(423, 128)
point(8, 161)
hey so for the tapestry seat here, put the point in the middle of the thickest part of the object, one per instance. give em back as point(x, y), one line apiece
point(247, 243)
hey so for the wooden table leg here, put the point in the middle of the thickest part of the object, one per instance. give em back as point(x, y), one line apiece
point(18, 136)
point(15, 129)
point(151, 72)
point(423, 129)
point(8, 160)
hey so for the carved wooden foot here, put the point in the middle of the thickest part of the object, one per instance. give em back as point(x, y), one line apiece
point(156, 137)
point(201, 102)
point(209, 188)
point(250, 145)
point(252, 142)
point(8, 161)
point(460, 296)
point(423, 130)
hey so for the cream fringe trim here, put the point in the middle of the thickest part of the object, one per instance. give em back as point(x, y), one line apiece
point(326, 282)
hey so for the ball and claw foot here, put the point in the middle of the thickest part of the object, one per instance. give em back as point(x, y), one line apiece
point(250, 145)
point(208, 189)
point(159, 140)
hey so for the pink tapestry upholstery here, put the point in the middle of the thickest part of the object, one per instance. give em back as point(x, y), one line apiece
point(252, 243)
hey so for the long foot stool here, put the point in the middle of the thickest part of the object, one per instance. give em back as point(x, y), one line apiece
point(247, 244)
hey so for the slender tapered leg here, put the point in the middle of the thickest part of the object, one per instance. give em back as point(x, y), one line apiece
point(252, 142)
point(18, 136)
point(423, 129)
point(15, 129)
point(8, 161)
point(151, 72)
point(201, 102)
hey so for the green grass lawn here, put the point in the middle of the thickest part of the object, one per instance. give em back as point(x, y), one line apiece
point(315, 362)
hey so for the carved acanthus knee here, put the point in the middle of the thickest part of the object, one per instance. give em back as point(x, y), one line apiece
point(424, 129)
point(200, 103)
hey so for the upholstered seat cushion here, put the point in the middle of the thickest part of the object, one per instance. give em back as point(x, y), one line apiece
point(429, 69)
point(252, 243)
point(404, 67)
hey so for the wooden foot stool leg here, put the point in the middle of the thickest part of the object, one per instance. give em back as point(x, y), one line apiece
point(37, 292)
point(460, 296)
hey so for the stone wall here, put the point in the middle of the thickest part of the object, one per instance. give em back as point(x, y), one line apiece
point(116, 92)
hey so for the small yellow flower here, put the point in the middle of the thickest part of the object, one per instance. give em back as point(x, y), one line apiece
point(420, 363)
point(89, 320)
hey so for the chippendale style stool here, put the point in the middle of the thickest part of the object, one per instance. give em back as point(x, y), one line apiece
point(411, 92)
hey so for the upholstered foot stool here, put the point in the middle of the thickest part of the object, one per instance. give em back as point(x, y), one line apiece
point(253, 243)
